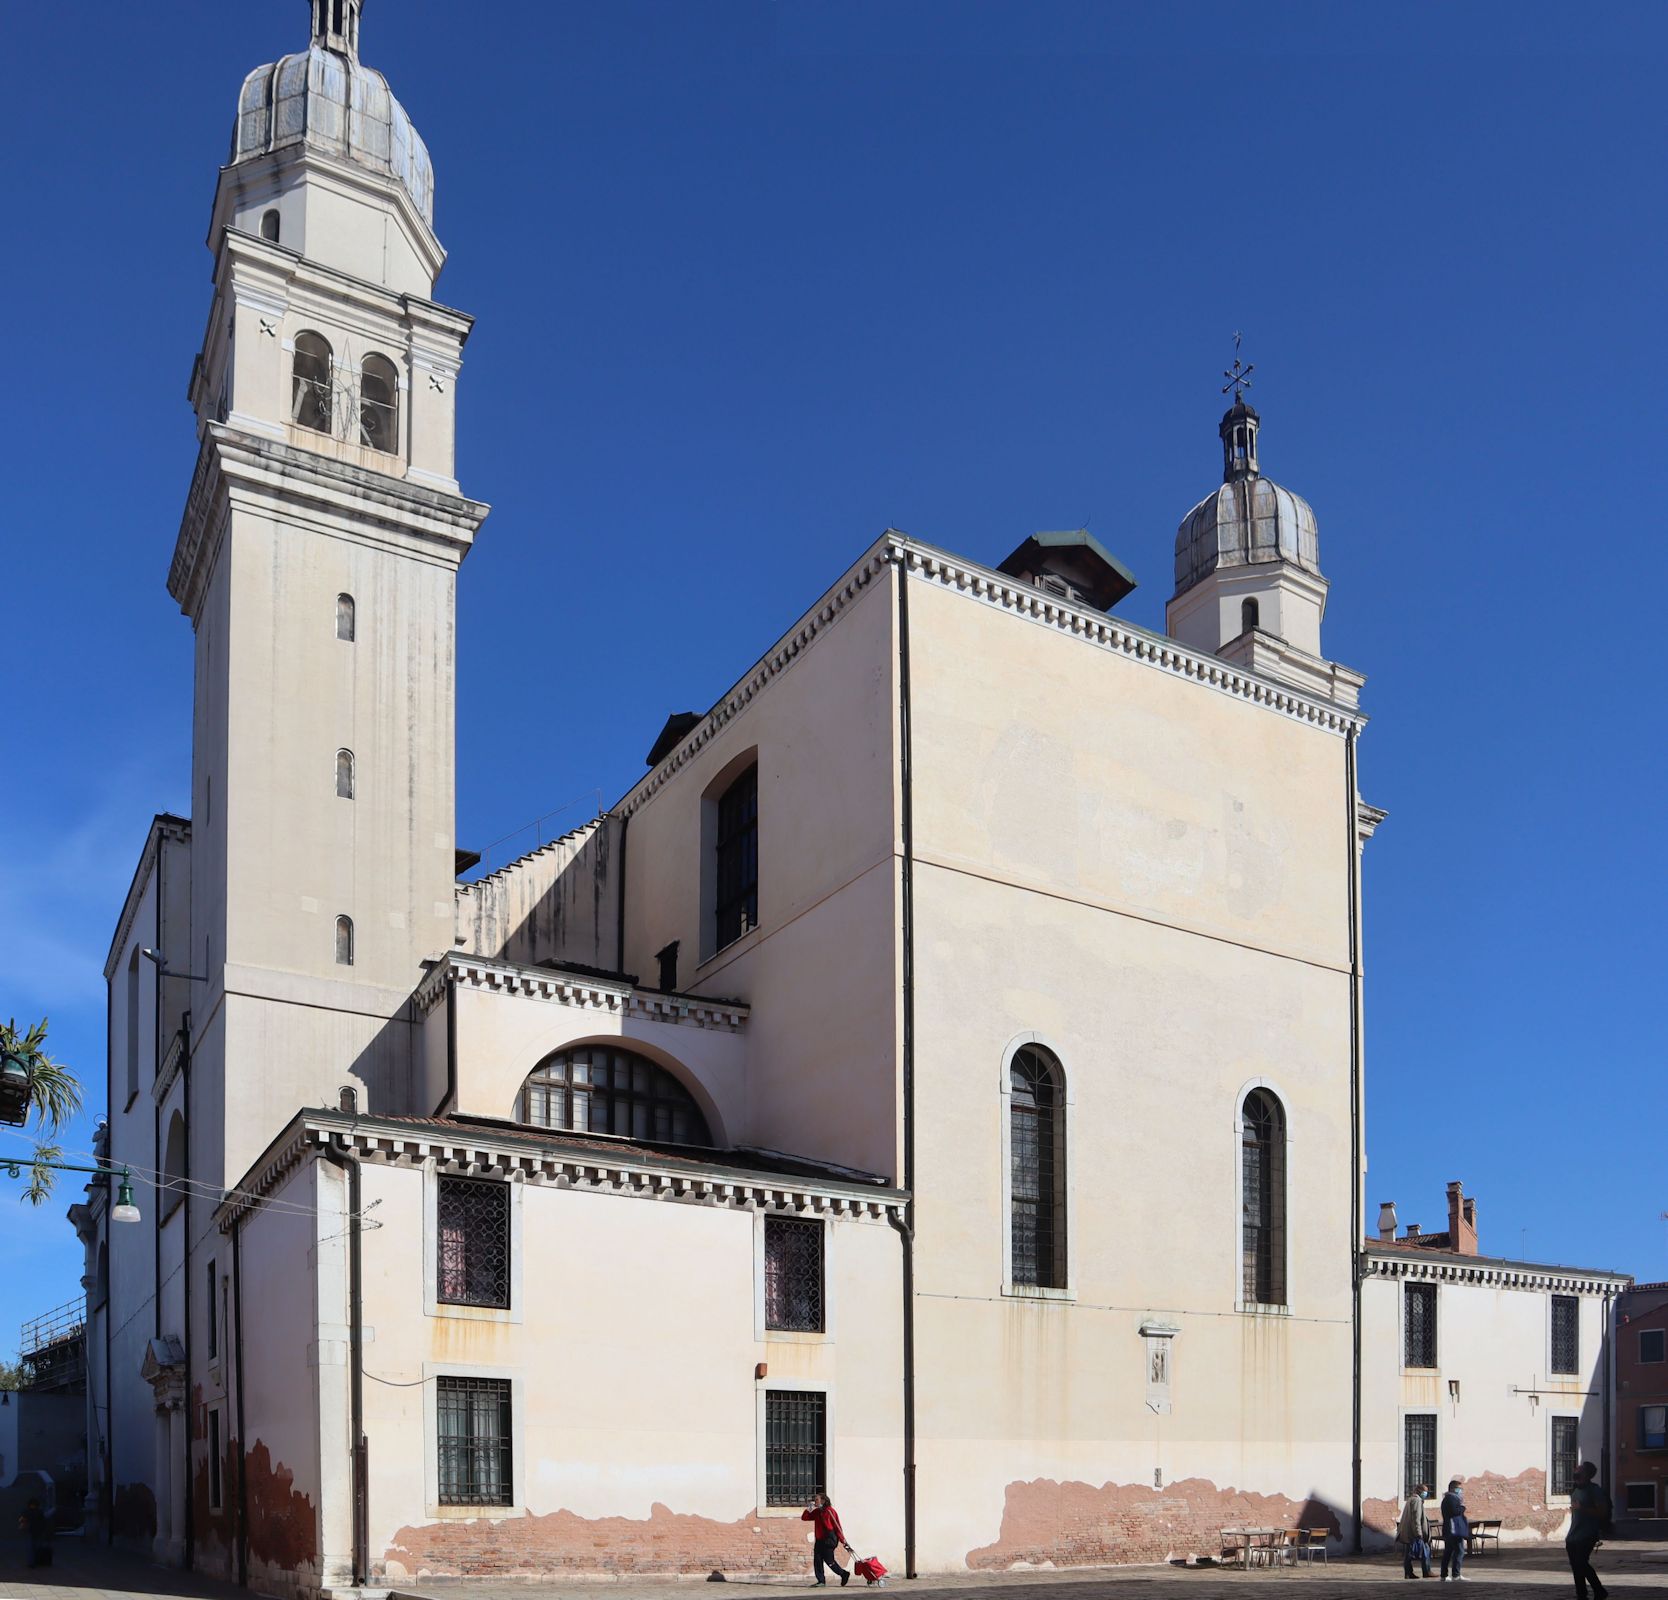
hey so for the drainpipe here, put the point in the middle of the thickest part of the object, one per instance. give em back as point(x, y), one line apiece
point(336, 1154)
point(1352, 843)
point(242, 1444)
point(906, 1228)
point(185, 1260)
point(1608, 1468)
point(110, 1274)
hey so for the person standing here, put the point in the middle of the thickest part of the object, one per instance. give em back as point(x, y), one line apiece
point(1590, 1514)
point(829, 1536)
point(1414, 1530)
point(1455, 1530)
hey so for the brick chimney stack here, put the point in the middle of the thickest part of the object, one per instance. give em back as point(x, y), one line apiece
point(1462, 1221)
point(1387, 1221)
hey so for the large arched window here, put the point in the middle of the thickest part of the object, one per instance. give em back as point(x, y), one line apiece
point(379, 404)
point(173, 1167)
point(1263, 1198)
point(1037, 1170)
point(600, 1089)
point(312, 383)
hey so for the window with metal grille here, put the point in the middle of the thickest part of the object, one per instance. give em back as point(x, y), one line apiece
point(1653, 1346)
point(1653, 1427)
point(737, 898)
point(472, 1233)
point(1418, 1452)
point(473, 1448)
point(213, 1322)
point(597, 1089)
point(796, 1446)
point(216, 1487)
point(1419, 1325)
point(793, 1275)
point(1566, 1333)
point(1263, 1199)
point(1564, 1457)
point(1037, 1170)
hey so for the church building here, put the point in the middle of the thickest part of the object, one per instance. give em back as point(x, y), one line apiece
point(937, 1081)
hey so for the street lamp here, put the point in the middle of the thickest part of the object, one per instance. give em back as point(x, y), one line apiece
point(124, 1209)
point(17, 1081)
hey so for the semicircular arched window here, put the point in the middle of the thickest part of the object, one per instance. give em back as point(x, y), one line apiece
point(379, 404)
point(312, 382)
point(601, 1089)
point(1037, 1170)
point(1263, 1198)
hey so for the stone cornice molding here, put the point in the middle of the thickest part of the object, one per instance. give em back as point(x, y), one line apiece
point(234, 466)
point(568, 989)
point(163, 826)
point(1367, 819)
point(1487, 1272)
point(995, 589)
point(464, 1150)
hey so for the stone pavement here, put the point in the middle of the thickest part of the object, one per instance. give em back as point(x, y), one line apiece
point(1633, 1568)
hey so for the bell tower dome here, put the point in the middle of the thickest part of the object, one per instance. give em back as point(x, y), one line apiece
point(1248, 581)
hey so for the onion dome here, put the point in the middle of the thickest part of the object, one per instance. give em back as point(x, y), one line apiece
point(1250, 519)
point(324, 99)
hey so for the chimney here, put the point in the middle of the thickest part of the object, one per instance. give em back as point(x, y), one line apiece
point(1462, 1221)
point(1387, 1221)
point(1413, 1230)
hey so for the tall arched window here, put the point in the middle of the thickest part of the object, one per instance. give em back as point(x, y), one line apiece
point(344, 941)
point(344, 617)
point(344, 774)
point(379, 404)
point(1037, 1170)
point(599, 1089)
point(312, 383)
point(1263, 1198)
point(1247, 615)
point(270, 226)
point(173, 1167)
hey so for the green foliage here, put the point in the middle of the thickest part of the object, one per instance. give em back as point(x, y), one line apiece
point(11, 1375)
point(55, 1100)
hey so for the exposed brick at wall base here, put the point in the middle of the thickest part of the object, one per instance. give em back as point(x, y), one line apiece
point(133, 1516)
point(1519, 1503)
point(561, 1542)
point(1078, 1525)
point(283, 1527)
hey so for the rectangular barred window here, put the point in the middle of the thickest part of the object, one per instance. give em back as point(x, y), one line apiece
point(1566, 1333)
point(1653, 1345)
point(1419, 1325)
point(738, 858)
point(1564, 1446)
point(796, 1443)
point(473, 1448)
point(472, 1234)
point(793, 1275)
point(1640, 1498)
point(1418, 1452)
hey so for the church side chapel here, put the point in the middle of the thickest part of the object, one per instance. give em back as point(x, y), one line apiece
point(937, 1081)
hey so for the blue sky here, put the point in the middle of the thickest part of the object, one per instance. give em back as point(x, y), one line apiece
point(755, 281)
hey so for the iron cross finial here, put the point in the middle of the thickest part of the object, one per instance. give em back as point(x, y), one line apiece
point(1239, 374)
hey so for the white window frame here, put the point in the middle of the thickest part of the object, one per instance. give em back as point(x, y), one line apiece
point(1027, 1291)
point(1401, 1446)
point(761, 1387)
point(1625, 1510)
point(1159, 1337)
point(1258, 1308)
point(1401, 1321)
point(783, 1335)
point(1554, 1496)
point(1551, 1299)
point(433, 1305)
point(433, 1370)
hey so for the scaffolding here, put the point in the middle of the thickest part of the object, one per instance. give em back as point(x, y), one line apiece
point(53, 1347)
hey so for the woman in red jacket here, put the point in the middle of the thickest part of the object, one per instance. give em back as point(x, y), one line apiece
point(829, 1537)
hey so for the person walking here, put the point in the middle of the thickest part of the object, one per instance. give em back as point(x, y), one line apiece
point(1590, 1514)
point(1414, 1530)
point(829, 1536)
point(1455, 1530)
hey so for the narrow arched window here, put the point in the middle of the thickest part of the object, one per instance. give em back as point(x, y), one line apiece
point(1263, 1199)
point(270, 226)
point(1248, 618)
point(379, 404)
point(598, 1089)
point(173, 1167)
point(344, 941)
point(311, 383)
point(344, 774)
point(1037, 1170)
point(344, 617)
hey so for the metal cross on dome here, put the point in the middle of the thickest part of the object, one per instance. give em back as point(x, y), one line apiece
point(1239, 374)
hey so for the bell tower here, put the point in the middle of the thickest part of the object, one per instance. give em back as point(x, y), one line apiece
point(317, 561)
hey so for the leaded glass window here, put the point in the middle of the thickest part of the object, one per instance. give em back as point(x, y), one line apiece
point(599, 1089)
point(1566, 1333)
point(1419, 1325)
point(738, 858)
point(1037, 1171)
point(472, 1232)
point(796, 1441)
point(1418, 1451)
point(1263, 1199)
point(474, 1456)
point(793, 1275)
point(1565, 1444)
